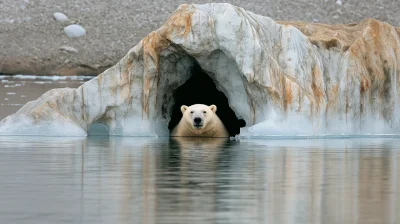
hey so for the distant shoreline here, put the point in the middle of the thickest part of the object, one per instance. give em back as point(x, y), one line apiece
point(49, 68)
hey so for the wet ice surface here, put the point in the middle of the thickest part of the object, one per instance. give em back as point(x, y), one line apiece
point(161, 180)
point(17, 90)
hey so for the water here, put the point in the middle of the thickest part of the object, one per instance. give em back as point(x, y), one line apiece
point(15, 91)
point(163, 180)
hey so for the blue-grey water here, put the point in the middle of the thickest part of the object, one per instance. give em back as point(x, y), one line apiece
point(102, 179)
point(162, 180)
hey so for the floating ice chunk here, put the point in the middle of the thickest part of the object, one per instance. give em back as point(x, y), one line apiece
point(74, 30)
point(11, 104)
point(42, 82)
point(24, 76)
point(23, 96)
point(5, 98)
point(54, 78)
point(60, 17)
point(11, 93)
point(339, 2)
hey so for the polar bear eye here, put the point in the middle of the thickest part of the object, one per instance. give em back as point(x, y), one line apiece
point(191, 112)
point(204, 111)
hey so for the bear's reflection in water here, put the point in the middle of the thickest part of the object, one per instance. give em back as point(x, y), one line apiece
point(196, 153)
point(193, 167)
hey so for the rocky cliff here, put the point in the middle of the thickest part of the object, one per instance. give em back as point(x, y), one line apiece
point(282, 77)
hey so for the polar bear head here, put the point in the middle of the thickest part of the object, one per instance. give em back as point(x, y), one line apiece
point(199, 116)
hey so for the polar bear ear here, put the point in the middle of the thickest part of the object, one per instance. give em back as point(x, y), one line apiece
point(213, 108)
point(183, 108)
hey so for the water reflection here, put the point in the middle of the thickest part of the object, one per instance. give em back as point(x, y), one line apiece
point(148, 180)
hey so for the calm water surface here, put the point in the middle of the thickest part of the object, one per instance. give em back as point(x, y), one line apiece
point(162, 180)
point(17, 90)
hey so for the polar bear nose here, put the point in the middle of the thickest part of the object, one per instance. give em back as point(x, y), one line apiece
point(197, 120)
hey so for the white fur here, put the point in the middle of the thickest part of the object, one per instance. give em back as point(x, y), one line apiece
point(212, 126)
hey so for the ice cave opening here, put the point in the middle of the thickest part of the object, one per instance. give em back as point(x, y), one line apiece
point(201, 89)
point(98, 129)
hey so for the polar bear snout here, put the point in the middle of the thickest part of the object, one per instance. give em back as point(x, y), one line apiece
point(197, 122)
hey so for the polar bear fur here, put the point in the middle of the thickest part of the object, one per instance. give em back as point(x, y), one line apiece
point(200, 120)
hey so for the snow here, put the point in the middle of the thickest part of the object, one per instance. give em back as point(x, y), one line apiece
point(74, 30)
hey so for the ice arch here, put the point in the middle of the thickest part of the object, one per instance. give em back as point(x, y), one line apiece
point(312, 78)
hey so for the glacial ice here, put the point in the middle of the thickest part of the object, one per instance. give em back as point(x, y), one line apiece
point(282, 78)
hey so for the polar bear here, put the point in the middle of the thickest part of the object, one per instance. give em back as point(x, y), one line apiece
point(200, 120)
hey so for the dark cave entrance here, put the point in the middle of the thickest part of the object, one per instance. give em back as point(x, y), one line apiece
point(201, 89)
